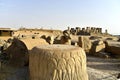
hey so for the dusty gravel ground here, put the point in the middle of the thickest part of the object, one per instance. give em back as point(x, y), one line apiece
point(102, 69)
point(98, 69)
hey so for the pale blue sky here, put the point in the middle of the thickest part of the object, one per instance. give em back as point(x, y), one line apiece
point(59, 14)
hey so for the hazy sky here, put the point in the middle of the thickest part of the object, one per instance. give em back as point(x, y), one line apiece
point(59, 14)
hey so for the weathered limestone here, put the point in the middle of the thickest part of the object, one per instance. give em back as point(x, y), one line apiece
point(88, 29)
point(77, 30)
point(57, 62)
point(66, 33)
point(65, 40)
point(112, 38)
point(106, 31)
point(44, 37)
point(17, 53)
point(113, 47)
point(68, 28)
point(97, 46)
point(85, 43)
point(74, 43)
point(57, 40)
point(35, 37)
point(81, 42)
point(73, 31)
point(95, 38)
point(92, 29)
point(99, 30)
point(2, 42)
point(50, 39)
point(109, 38)
point(85, 31)
point(118, 40)
point(30, 43)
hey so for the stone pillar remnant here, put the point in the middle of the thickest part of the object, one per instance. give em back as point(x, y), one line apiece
point(57, 62)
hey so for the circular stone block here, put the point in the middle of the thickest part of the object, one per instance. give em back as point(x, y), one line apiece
point(57, 62)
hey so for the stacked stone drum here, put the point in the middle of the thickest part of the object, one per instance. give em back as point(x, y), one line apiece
point(57, 62)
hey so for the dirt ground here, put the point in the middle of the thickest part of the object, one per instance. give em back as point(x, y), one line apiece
point(98, 69)
point(103, 69)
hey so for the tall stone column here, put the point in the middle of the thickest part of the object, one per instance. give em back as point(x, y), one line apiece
point(88, 29)
point(57, 62)
point(78, 29)
point(81, 42)
point(100, 30)
point(92, 29)
point(106, 31)
point(68, 28)
point(85, 43)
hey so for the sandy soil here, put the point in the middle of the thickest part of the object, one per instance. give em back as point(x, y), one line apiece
point(98, 69)
point(5, 38)
point(103, 69)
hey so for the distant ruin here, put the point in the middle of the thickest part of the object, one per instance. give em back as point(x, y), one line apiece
point(45, 54)
point(86, 31)
point(6, 32)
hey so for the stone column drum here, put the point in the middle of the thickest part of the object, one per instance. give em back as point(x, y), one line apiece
point(57, 62)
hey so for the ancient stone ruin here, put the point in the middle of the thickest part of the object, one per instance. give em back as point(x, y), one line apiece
point(57, 62)
point(39, 54)
point(17, 53)
point(85, 31)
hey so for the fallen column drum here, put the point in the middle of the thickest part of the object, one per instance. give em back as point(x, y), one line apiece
point(57, 62)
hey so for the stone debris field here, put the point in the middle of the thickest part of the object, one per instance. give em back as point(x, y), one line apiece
point(73, 54)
